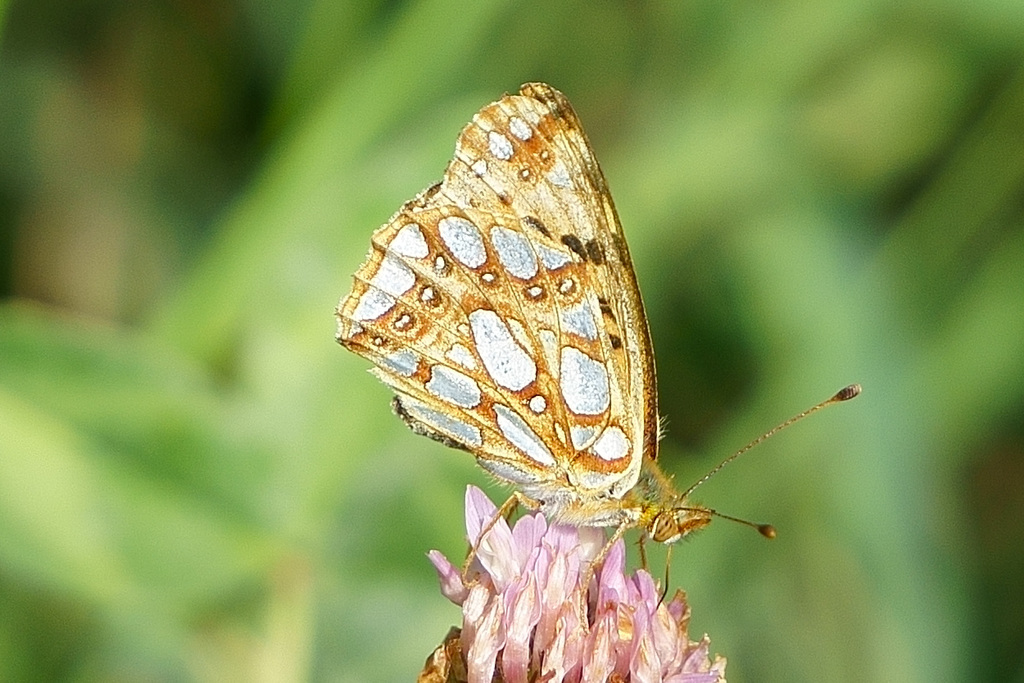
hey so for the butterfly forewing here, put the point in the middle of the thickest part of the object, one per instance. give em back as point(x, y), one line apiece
point(553, 182)
point(502, 308)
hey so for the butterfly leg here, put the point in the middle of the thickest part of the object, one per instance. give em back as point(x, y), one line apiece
point(506, 511)
point(592, 571)
point(668, 565)
point(643, 550)
point(640, 544)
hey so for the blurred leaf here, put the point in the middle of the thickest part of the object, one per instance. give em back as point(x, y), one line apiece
point(152, 412)
point(814, 194)
point(101, 525)
point(301, 193)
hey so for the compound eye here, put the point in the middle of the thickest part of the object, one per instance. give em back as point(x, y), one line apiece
point(664, 528)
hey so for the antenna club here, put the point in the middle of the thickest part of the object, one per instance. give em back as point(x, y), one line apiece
point(766, 530)
point(846, 393)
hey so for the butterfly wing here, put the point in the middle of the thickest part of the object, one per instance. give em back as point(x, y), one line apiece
point(502, 307)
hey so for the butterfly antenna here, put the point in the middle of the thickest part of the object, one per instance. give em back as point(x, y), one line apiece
point(766, 530)
point(844, 394)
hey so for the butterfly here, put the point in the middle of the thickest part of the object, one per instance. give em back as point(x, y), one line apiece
point(502, 308)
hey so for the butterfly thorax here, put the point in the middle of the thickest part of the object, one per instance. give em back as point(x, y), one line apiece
point(652, 505)
point(665, 515)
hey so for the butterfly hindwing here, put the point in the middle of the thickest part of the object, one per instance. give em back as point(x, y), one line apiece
point(502, 307)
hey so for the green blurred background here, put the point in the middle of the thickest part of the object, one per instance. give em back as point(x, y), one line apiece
point(197, 483)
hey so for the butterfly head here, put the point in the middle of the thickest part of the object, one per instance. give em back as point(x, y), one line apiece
point(671, 523)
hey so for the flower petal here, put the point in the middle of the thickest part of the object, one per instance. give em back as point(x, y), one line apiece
point(521, 615)
point(645, 662)
point(495, 551)
point(487, 640)
point(473, 610)
point(450, 576)
point(648, 590)
point(555, 591)
point(671, 645)
point(527, 533)
point(694, 678)
point(599, 649)
point(612, 587)
point(479, 512)
point(563, 656)
point(591, 542)
point(697, 659)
